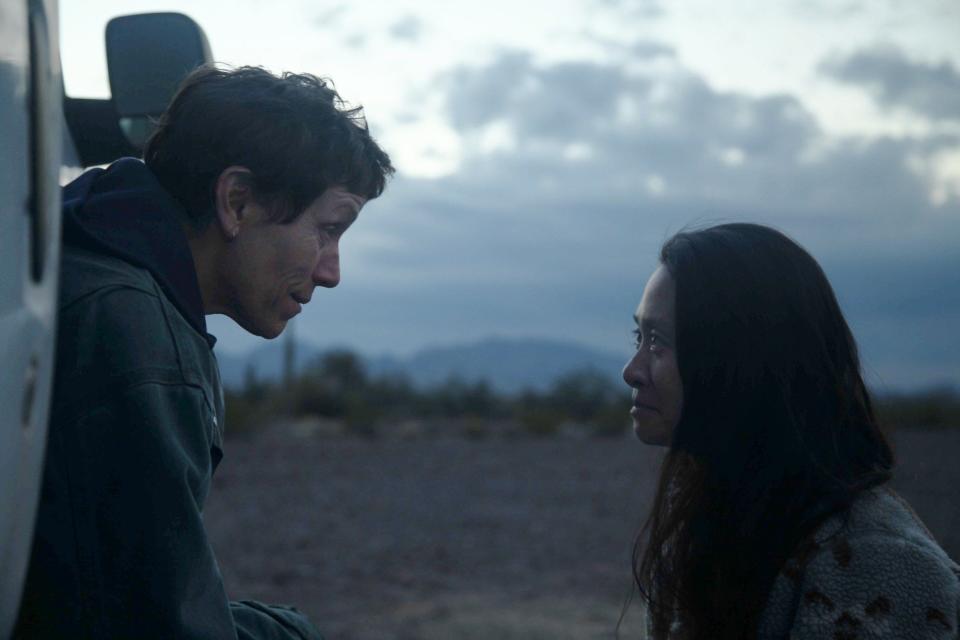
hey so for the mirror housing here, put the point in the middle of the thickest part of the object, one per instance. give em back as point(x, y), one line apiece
point(148, 55)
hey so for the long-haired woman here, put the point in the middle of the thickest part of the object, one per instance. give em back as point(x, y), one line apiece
point(771, 518)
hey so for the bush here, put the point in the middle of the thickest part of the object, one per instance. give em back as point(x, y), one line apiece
point(541, 421)
point(455, 398)
point(582, 395)
point(314, 396)
point(613, 421)
point(475, 428)
point(243, 414)
point(935, 408)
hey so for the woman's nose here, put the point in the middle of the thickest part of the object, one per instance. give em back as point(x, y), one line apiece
point(635, 371)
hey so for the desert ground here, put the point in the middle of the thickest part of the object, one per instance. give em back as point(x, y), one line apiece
point(453, 538)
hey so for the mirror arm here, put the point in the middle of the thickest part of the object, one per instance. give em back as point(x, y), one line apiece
point(95, 129)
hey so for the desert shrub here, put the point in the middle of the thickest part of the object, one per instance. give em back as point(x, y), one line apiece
point(475, 428)
point(455, 398)
point(342, 370)
point(583, 395)
point(337, 386)
point(244, 414)
point(935, 408)
point(612, 421)
point(541, 421)
point(361, 415)
point(314, 395)
point(253, 390)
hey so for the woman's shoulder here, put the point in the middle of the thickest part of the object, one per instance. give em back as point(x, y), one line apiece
point(881, 516)
point(874, 568)
point(879, 524)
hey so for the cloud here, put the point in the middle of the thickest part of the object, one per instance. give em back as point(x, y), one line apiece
point(641, 8)
point(640, 48)
point(330, 18)
point(553, 231)
point(554, 103)
point(701, 144)
point(828, 9)
point(355, 41)
point(407, 28)
point(651, 49)
point(624, 130)
point(929, 89)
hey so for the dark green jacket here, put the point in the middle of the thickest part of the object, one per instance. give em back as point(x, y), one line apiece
point(136, 432)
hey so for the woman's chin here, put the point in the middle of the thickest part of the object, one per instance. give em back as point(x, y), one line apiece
point(651, 434)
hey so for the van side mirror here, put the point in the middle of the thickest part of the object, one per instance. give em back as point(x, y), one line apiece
point(148, 55)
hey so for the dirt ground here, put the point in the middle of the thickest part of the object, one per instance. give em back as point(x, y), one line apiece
point(439, 539)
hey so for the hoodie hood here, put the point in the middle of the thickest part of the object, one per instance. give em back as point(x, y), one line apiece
point(123, 211)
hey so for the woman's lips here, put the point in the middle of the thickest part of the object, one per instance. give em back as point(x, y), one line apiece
point(640, 407)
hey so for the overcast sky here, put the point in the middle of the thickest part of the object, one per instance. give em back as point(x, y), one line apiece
point(546, 149)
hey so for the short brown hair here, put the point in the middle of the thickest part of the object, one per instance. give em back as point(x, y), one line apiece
point(293, 132)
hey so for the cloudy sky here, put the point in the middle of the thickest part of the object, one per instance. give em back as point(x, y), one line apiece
point(547, 148)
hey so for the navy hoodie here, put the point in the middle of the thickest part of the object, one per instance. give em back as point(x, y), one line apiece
point(120, 549)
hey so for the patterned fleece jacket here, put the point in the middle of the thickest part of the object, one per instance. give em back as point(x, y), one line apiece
point(873, 572)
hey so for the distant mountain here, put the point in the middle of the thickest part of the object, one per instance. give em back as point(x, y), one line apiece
point(508, 364)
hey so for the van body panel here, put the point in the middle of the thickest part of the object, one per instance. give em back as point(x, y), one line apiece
point(30, 166)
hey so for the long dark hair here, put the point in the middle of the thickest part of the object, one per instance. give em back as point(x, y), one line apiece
point(777, 429)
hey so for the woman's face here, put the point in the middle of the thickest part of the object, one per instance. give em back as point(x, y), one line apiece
point(652, 372)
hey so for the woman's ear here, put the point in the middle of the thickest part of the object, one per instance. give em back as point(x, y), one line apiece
point(232, 195)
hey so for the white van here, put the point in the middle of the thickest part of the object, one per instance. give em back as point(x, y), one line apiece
point(45, 139)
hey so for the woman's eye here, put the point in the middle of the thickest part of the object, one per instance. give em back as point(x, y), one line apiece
point(651, 341)
point(654, 343)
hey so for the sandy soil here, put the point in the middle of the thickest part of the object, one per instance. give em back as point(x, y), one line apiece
point(439, 539)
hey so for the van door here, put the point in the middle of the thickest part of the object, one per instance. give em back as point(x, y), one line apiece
point(30, 112)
